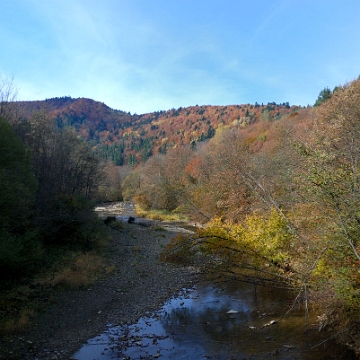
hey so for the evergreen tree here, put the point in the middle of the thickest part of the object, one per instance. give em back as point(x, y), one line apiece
point(324, 95)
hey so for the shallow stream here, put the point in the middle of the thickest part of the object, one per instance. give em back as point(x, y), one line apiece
point(227, 321)
point(207, 322)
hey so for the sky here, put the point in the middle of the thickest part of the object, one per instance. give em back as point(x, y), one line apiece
point(141, 56)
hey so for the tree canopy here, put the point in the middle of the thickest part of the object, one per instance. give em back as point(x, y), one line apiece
point(18, 185)
point(324, 95)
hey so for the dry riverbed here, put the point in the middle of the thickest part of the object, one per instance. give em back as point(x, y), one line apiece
point(134, 282)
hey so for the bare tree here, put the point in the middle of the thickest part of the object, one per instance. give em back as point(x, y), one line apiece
point(8, 94)
point(64, 167)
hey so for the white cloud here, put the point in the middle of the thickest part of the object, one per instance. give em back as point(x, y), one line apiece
point(142, 56)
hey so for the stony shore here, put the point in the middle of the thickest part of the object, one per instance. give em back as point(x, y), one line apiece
point(136, 283)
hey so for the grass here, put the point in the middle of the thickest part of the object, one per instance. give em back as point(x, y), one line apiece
point(158, 228)
point(161, 215)
point(116, 225)
point(24, 302)
point(80, 271)
point(67, 265)
point(137, 248)
point(18, 323)
point(18, 307)
point(110, 269)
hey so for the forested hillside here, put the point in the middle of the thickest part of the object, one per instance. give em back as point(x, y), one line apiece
point(49, 180)
point(275, 186)
point(279, 197)
point(127, 139)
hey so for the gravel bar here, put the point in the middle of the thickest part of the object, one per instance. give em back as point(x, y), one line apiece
point(137, 284)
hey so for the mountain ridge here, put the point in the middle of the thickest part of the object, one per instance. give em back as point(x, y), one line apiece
point(128, 139)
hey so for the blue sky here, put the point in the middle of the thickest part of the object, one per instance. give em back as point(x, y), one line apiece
point(147, 55)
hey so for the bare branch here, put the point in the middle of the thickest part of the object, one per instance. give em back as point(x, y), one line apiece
point(8, 94)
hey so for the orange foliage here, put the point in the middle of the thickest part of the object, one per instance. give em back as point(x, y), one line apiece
point(97, 122)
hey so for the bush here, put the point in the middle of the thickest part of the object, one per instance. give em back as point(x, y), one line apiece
point(20, 249)
point(73, 222)
point(80, 271)
point(20, 256)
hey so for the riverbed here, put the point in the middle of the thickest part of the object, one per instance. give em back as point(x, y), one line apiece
point(216, 321)
point(232, 321)
point(138, 299)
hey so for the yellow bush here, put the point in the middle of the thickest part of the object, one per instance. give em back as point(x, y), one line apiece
point(79, 272)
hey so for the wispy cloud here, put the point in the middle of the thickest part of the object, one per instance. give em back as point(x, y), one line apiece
point(141, 56)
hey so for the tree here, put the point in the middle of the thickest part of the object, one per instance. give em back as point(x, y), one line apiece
point(19, 248)
point(131, 185)
point(232, 176)
point(8, 94)
point(324, 95)
point(161, 183)
point(18, 184)
point(68, 176)
point(255, 251)
point(111, 188)
point(331, 186)
point(156, 186)
point(333, 155)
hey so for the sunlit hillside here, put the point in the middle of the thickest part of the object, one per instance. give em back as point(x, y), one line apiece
point(127, 139)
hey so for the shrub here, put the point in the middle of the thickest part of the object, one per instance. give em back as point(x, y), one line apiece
point(20, 256)
point(73, 222)
point(80, 271)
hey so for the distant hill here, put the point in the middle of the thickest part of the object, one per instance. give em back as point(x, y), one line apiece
point(129, 139)
point(77, 112)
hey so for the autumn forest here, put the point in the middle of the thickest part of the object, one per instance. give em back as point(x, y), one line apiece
point(274, 188)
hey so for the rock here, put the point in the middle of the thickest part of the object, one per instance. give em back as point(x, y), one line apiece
point(232, 312)
point(109, 219)
point(272, 322)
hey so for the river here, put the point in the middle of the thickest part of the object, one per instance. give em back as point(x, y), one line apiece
point(223, 321)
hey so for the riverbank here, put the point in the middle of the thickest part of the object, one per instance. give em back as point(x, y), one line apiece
point(134, 282)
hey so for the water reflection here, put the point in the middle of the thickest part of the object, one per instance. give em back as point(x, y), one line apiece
point(215, 323)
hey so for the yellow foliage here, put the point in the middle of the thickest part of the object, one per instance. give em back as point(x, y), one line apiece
point(19, 323)
point(267, 238)
point(260, 241)
point(179, 250)
point(321, 268)
point(79, 273)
